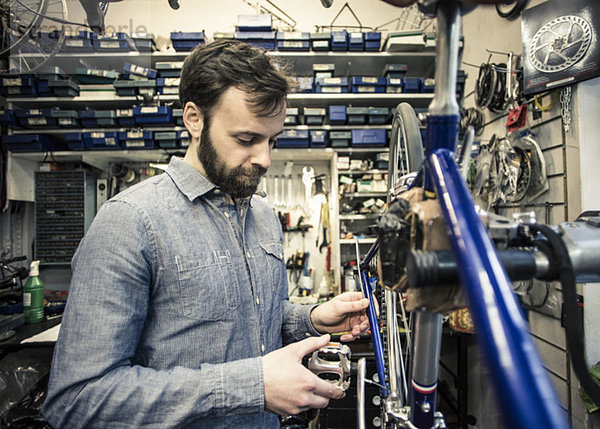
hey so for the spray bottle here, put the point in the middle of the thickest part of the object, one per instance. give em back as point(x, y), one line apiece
point(33, 295)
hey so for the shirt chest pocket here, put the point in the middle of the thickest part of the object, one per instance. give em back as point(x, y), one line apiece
point(206, 285)
point(273, 263)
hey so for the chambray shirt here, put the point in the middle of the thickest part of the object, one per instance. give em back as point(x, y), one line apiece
point(171, 306)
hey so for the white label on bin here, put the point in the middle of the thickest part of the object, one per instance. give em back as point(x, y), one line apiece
point(74, 43)
point(37, 121)
point(149, 110)
point(12, 82)
point(135, 135)
point(369, 79)
point(292, 44)
point(124, 112)
point(170, 90)
point(333, 80)
point(111, 44)
point(97, 135)
point(134, 143)
point(365, 88)
point(64, 121)
point(110, 141)
point(331, 89)
point(172, 81)
point(395, 81)
point(34, 112)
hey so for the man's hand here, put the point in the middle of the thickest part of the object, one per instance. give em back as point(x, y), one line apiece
point(345, 312)
point(290, 387)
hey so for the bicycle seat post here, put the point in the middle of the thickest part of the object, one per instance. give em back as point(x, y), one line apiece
point(443, 118)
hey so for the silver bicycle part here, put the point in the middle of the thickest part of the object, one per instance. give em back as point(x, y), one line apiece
point(361, 376)
point(465, 156)
point(332, 360)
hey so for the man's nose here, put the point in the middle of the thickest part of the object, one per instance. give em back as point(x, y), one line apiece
point(262, 154)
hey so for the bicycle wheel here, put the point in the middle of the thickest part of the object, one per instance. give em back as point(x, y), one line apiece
point(31, 32)
point(406, 146)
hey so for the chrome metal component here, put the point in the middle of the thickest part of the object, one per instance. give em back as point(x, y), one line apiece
point(525, 218)
point(333, 359)
point(426, 407)
point(448, 32)
point(361, 378)
point(465, 158)
point(583, 242)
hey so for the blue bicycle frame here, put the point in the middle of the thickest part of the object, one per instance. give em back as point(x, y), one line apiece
point(526, 397)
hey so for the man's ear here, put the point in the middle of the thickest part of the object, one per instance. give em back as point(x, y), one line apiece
point(193, 120)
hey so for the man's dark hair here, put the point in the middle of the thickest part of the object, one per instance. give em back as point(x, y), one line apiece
point(213, 68)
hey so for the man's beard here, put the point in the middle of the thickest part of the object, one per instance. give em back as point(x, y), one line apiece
point(238, 182)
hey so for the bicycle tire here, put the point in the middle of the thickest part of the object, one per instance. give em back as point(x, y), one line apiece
point(513, 12)
point(405, 140)
point(10, 23)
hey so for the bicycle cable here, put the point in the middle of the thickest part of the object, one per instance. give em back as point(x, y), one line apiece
point(562, 270)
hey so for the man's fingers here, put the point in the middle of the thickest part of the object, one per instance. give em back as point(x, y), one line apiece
point(326, 389)
point(350, 296)
point(309, 345)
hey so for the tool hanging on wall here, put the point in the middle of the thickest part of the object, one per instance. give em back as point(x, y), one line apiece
point(308, 175)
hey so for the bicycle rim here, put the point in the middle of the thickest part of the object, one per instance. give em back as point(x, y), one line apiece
point(41, 42)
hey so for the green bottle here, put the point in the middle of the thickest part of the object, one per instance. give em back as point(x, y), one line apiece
point(33, 295)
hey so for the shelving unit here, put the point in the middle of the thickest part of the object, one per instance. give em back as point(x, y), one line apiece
point(420, 64)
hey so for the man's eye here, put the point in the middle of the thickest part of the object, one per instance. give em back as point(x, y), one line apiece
point(245, 142)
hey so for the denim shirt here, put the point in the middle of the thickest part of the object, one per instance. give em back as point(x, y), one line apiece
point(171, 307)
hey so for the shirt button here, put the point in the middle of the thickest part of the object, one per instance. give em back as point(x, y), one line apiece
point(248, 255)
point(262, 347)
point(217, 191)
point(257, 301)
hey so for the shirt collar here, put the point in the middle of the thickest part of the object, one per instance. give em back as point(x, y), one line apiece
point(190, 181)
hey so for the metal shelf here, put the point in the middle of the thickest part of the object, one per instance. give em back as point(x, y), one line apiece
point(358, 216)
point(356, 172)
point(364, 194)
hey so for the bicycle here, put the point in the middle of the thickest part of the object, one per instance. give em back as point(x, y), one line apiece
point(485, 252)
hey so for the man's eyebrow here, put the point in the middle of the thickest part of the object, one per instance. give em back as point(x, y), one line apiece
point(252, 134)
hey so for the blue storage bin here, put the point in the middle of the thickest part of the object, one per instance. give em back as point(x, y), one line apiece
point(368, 84)
point(357, 115)
point(378, 115)
point(7, 117)
point(166, 139)
point(135, 87)
point(395, 70)
point(95, 76)
point(304, 84)
point(340, 138)
point(64, 87)
point(144, 42)
point(356, 41)
point(35, 118)
point(30, 143)
point(66, 118)
point(323, 70)
point(292, 116)
point(50, 73)
point(23, 86)
point(262, 39)
point(293, 139)
point(314, 115)
point(339, 40)
point(178, 117)
point(136, 139)
point(139, 70)
point(167, 85)
point(98, 118)
point(257, 22)
point(125, 117)
point(320, 41)
point(101, 140)
point(373, 41)
point(428, 85)
point(74, 141)
point(168, 68)
point(412, 84)
point(120, 42)
point(297, 41)
point(333, 85)
point(183, 138)
point(153, 115)
point(43, 89)
point(394, 85)
point(318, 138)
point(369, 137)
point(337, 115)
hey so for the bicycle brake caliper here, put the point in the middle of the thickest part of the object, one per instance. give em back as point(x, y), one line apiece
point(332, 363)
